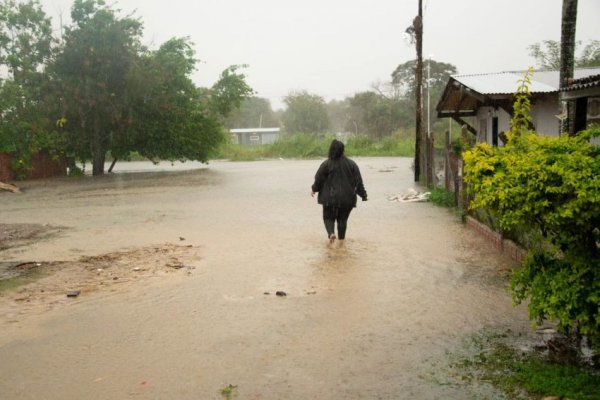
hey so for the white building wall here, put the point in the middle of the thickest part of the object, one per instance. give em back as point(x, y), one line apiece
point(484, 119)
point(543, 114)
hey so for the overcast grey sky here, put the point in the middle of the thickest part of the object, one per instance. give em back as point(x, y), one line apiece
point(335, 48)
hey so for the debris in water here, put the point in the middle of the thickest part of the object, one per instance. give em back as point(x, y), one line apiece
point(411, 196)
point(73, 293)
point(281, 293)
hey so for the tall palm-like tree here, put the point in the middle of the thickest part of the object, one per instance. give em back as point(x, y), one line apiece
point(567, 54)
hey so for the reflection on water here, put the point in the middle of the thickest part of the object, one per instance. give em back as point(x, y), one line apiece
point(364, 321)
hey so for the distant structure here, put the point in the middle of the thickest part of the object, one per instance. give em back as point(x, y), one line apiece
point(254, 136)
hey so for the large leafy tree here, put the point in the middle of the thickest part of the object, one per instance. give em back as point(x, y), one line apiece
point(253, 111)
point(25, 46)
point(404, 77)
point(172, 118)
point(117, 95)
point(377, 115)
point(92, 70)
point(305, 113)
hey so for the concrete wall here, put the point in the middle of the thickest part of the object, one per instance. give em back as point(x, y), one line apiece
point(484, 118)
point(543, 113)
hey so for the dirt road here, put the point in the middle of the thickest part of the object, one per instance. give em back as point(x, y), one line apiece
point(373, 320)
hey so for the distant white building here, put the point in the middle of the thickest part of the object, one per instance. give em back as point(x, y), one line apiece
point(488, 98)
point(254, 136)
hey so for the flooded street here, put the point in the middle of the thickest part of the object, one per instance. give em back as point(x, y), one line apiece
point(368, 321)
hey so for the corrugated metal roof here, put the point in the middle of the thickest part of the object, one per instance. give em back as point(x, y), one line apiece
point(583, 83)
point(543, 81)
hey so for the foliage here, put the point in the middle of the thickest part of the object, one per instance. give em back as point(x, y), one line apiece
point(519, 374)
point(253, 112)
point(547, 54)
point(305, 113)
point(404, 76)
point(443, 198)
point(521, 121)
point(115, 95)
point(312, 146)
point(25, 45)
point(551, 186)
point(91, 72)
point(376, 115)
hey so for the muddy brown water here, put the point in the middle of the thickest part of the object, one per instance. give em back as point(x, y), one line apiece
point(368, 321)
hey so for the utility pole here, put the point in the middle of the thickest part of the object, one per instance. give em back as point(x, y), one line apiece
point(418, 31)
point(429, 136)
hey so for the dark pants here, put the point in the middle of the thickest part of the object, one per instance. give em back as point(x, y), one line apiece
point(331, 215)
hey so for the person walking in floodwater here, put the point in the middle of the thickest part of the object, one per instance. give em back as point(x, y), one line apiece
point(338, 181)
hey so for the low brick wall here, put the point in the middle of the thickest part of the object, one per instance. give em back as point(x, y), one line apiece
point(43, 165)
point(6, 173)
point(506, 246)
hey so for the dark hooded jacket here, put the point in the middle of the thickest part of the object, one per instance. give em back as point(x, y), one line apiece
point(338, 181)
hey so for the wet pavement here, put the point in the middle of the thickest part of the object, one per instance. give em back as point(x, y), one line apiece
point(371, 320)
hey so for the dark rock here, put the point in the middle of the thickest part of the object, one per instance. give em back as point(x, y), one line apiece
point(73, 293)
point(281, 293)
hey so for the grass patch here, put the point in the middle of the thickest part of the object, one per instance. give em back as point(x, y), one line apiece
point(228, 391)
point(305, 146)
point(525, 376)
point(442, 197)
point(21, 280)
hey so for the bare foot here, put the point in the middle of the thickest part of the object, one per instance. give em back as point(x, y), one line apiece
point(332, 239)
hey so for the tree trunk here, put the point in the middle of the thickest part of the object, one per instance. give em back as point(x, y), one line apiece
point(98, 162)
point(112, 165)
point(567, 55)
point(98, 151)
point(418, 27)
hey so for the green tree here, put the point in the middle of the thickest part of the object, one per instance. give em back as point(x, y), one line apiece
point(92, 68)
point(171, 118)
point(116, 95)
point(25, 47)
point(404, 77)
point(339, 116)
point(547, 54)
point(253, 111)
point(378, 115)
point(305, 113)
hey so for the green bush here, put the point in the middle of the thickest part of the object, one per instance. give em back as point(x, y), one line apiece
point(551, 187)
point(442, 197)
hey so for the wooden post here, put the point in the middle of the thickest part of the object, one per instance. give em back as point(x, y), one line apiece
point(447, 162)
point(419, 143)
point(429, 161)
